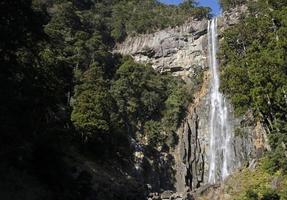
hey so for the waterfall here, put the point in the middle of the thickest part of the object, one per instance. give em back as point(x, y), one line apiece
point(221, 136)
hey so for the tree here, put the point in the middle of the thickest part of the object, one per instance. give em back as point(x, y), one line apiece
point(227, 4)
point(92, 104)
point(146, 99)
point(254, 73)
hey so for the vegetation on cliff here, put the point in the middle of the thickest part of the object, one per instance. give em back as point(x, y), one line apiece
point(62, 89)
point(130, 17)
point(228, 4)
point(66, 97)
point(251, 184)
point(254, 72)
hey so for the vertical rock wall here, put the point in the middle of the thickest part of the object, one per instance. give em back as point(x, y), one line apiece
point(191, 153)
point(183, 51)
point(179, 50)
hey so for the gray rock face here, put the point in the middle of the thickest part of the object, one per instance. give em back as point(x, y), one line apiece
point(232, 17)
point(191, 153)
point(180, 50)
point(183, 51)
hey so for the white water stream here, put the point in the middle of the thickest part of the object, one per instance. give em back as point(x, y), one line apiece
point(221, 136)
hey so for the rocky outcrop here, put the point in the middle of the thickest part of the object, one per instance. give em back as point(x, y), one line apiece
point(192, 151)
point(232, 17)
point(183, 52)
point(180, 50)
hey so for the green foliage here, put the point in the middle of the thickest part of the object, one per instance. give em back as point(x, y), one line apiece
point(275, 161)
point(92, 103)
point(153, 131)
point(227, 4)
point(110, 94)
point(175, 107)
point(256, 184)
point(254, 73)
point(33, 81)
point(130, 17)
point(270, 195)
point(60, 85)
point(34, 113)
point(138, 91)
point(283, 194)
point(144, 96)
point(251, 195)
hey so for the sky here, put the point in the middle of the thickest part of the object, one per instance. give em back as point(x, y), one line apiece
point(213, 4)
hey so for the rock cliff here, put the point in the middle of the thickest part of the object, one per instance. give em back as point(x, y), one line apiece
point(191, 153)
point(180, 50)
point(183, 52)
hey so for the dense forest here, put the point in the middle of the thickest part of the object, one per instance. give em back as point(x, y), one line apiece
point(64, 92)
point(254, 76)
point(254, 56)
point(65, 97)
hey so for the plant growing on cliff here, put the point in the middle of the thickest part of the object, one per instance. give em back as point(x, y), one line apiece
point(251, 195)
point(92, 104)
point(227, 4)
point(254, 73)
point(145, 98)
point(45, 107)
point(130, 17)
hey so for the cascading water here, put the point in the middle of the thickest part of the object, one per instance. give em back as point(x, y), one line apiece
point(221, 136)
